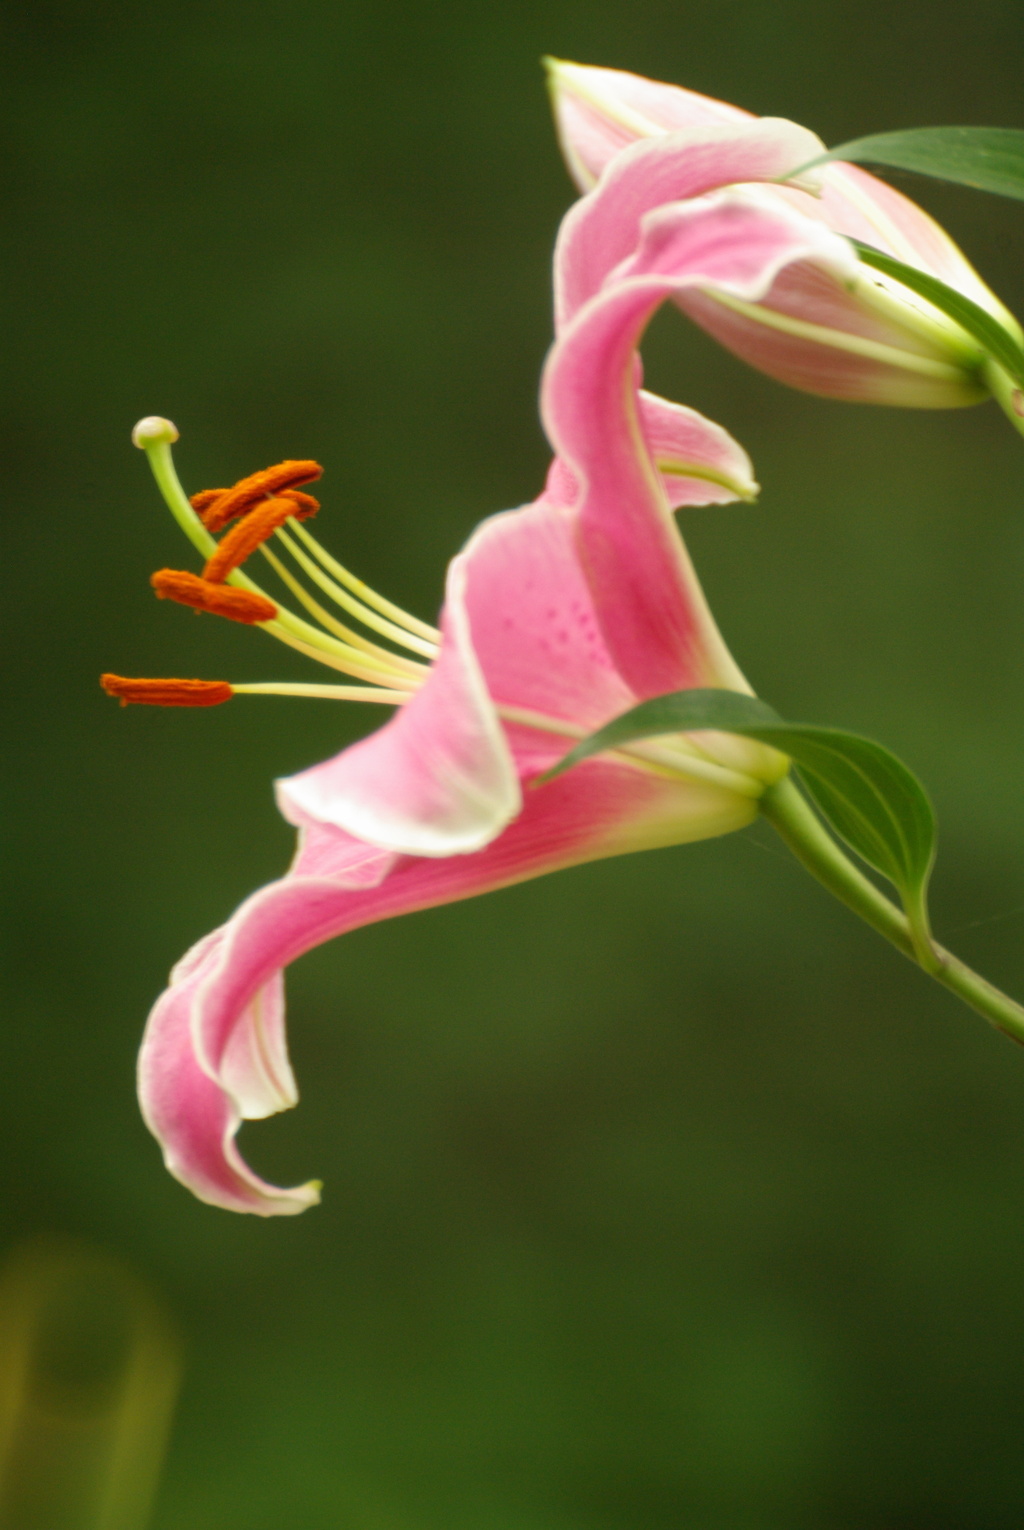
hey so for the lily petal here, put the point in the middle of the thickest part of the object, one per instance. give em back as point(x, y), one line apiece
point(604, 227)
point(602, 809)
point(198, 1081)
point(600, 111)
point(193, 1116)
point(438, 779)
point(654, 617)
point(529, 638)
point(535, 628)
point(699, 462)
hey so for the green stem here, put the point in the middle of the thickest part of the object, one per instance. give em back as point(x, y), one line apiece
point(1006, 393)
point(791, 816)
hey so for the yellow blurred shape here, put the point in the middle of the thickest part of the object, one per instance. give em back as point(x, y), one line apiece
point(89, 1373)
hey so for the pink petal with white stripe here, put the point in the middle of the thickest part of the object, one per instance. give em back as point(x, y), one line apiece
point(199, 1081)
point(195, 1115)
point(698, 462)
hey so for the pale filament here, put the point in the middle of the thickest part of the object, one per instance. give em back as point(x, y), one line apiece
point(323, 692)
point(427, 647)
point(324, 655)
point(386, 607)
point(365, 653)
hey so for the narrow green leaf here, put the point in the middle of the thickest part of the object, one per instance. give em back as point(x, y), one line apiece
point(978, 323)
point(868, 796)
point(987, 158)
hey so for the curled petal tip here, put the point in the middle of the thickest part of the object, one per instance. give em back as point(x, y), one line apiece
point(154, 430)
point(194, 1104)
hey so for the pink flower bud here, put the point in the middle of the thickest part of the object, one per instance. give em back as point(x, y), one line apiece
point(865, 339)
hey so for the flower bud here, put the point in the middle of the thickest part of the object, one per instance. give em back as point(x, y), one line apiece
point(871, 340)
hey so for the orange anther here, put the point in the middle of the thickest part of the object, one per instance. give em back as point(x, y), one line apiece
point(247, 492)
point(247, 534)
point(305, 504)
point(167, 693)
point(220, 599)
point(202, 501)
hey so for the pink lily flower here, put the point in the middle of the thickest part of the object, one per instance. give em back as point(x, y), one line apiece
point(557, 617)
point(632, 143)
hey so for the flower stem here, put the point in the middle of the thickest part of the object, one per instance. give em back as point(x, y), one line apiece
point(792, 817)
point(1006, 394)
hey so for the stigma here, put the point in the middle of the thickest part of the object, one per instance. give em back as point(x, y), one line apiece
point(379, 645)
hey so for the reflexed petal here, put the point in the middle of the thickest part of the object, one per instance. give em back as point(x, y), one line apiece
point(192, 1116)
point(199, 1080)
point(254, 1067)
point(600, 809)
point(604, 227)
point(438, 779)
point(654, 617)
point(699, 462)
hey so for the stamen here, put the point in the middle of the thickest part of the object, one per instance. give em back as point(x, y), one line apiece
point(219, 599)
point(363, 649)
point(244, 537)
point(248, 492)
point(305, 504)
point(358, 587)
point(167, 693)
point(354, 656)
point(202, 501)
point(348, 661)
point(356, 608)
point(325, 692)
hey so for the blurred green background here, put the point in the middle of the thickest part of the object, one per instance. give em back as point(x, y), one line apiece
point(658, 1193)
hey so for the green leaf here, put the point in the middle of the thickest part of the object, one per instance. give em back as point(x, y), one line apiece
point(989, 159)
point(979, 324)
point(868, 796)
